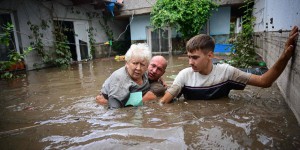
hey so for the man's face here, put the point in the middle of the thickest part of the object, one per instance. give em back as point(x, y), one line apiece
point(136, 67)
point(156, 69)
point(199, 61)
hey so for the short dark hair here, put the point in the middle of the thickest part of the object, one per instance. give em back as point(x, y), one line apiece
point(201, 42)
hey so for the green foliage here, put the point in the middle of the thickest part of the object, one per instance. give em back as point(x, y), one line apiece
point(16, 57)
point(62, 50)
point(92, 41)
point(187, 16)
point(121, 47)
point(37, 42)
point(37, 37)
point(92, 15)
point(6, 71)
point(243, 43)
point(61, 55)
point(108, 31)
point(6, 37)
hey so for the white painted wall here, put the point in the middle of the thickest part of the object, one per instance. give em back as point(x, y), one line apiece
point(285, 14)
point(33, 11)
point(137, 4)
point(26, 11)
point(138, 27)
point(259, 12)
point(219, 22)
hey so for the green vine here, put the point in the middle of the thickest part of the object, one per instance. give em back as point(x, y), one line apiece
point(7, 71)
point(62, 54)
point(92, 15)
point(243, 44)
point(92, 41)
point(62, 50)
point(108, 31)
point(37, 37)
point(187, 16)
point(103, 23)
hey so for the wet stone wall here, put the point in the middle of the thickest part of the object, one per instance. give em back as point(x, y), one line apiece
point(271, 45)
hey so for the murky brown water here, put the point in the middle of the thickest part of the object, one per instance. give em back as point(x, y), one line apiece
point(55, 109)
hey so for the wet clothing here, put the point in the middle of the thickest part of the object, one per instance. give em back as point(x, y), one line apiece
point(117, 88)
point(222, 79)
point(157, 87)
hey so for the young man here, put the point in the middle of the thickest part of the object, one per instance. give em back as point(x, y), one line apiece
point(156, 69)
point(203, 80)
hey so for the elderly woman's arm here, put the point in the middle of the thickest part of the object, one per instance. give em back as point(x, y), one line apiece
point(149, 96)
point(100, 99)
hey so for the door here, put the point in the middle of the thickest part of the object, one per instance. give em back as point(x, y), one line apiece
point(5, 50)
point(159, 40)
point(81, 40)
point(68, 31)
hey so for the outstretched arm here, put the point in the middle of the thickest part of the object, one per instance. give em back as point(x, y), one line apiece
point(267, 79)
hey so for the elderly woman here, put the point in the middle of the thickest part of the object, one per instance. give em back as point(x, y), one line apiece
point(128, 79)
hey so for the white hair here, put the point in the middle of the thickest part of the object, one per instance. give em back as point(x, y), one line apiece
point(140, 50)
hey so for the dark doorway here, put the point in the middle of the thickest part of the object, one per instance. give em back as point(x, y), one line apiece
point(5, 49)
point(160, 41)
point(83, 50)
point(70, 33)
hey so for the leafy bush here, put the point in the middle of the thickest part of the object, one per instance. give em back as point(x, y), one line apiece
point(243, 43)
point(187, 16)
point(6, 69)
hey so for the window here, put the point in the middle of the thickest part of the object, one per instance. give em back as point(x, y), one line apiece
point(159, 40)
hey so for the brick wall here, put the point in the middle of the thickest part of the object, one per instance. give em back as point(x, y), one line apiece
point(270, 46)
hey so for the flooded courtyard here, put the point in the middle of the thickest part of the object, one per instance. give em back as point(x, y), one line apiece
point(56, 109)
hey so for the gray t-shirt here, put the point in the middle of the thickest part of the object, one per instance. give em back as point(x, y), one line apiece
point(119, 86)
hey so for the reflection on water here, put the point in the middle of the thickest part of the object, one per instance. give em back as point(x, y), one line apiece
point(55, 109)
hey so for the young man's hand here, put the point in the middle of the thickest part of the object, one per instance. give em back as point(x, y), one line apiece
point(291, 42)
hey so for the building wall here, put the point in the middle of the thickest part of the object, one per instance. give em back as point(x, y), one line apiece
point(35, 11)
point(219, 24)
point(271, 45)
point(137, 4)
point(136, 7)
point(228, 2)
point(27, 11)
point(275, 15)
point(271, 40)
point(138, 27)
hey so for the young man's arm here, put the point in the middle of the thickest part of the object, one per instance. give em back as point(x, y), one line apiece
point(267, 79)
point(173, 91)
point(166, 98)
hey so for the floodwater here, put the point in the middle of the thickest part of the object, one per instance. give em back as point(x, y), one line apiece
point(56, 109)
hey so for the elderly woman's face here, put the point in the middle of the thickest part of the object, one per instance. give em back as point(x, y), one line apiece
point(136, 67)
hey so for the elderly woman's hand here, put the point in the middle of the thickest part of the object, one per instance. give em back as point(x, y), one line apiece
point(149, 96)
point(101, 100)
